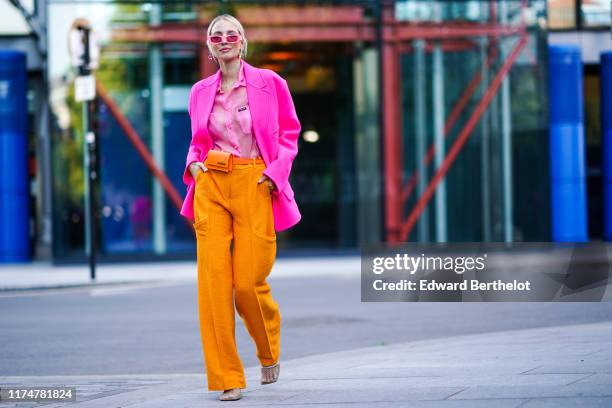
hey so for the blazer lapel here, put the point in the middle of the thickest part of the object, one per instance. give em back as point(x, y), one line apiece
point(205, 99)
point(259, 97)
point(260, 100)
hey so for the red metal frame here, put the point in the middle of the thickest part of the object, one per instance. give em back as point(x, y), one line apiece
point(447, 46)
point(450, 122)
point(348, 24)
point(316, 24)
point(398, 31)
point(465, 133)
point(407, 227)
point(392, 134)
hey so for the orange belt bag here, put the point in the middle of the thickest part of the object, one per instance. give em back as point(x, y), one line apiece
point(218, 160)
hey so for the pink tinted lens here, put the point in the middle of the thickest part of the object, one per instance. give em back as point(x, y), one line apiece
point(216, 39)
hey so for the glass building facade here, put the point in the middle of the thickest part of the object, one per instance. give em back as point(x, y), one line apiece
point(364, 75)
point(499, 180)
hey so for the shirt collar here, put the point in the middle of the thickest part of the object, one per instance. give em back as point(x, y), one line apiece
point(240, 82)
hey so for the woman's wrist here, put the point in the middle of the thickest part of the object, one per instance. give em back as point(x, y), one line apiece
point(194, 168)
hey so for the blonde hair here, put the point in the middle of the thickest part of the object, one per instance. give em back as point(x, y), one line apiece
point(234, 21)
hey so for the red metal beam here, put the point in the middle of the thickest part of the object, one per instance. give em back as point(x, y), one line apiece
point(282, 15)
point(322, 33)
point(141, 148)
point(448, 30)
point(447, 46)
point(407, 227)
point(271, 34)
point(450, 122)
point(338, 31)
point(164, 33)
point(392, 138)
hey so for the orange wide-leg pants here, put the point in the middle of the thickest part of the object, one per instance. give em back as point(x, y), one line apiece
point(234, 207)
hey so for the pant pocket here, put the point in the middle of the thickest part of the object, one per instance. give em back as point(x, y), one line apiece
point(263, 216)
point(264, 248)
point(202, 225)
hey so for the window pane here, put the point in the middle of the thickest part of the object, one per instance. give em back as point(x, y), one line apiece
point(561, 13)
point(596, 13)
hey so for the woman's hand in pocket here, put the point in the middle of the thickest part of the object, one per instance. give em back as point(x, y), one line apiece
point(270, 183)
point(195, 167)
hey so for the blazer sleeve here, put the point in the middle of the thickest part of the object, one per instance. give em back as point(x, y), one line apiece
point(193, 154)
point(279, 169)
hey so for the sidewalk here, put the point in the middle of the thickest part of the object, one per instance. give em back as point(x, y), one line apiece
point(568, 366)
point(42, 275)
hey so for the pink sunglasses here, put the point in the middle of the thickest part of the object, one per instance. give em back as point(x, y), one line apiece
point(230, 38)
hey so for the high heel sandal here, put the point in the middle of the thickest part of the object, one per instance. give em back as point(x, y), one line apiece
point(232, 394)
point(266, 371)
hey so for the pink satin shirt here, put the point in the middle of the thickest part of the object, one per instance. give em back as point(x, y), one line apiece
point(229, 123)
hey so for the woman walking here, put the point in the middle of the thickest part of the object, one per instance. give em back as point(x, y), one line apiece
point(244, 139)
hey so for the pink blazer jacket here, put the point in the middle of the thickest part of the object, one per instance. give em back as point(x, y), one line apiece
point(276, 129)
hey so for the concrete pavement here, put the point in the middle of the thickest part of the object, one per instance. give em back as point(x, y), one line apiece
point(44, 275)
point(564, 366)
